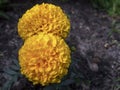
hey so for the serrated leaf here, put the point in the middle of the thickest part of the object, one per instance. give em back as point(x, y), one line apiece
point(8, 84)
point(10, 71)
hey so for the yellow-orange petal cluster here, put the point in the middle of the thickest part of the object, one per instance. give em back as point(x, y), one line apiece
point(44, 59)
point(44, 18)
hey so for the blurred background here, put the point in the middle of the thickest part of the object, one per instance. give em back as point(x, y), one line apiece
point(94, 40)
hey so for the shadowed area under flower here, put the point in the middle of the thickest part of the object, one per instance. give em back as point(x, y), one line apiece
point(44, 18)
point(44, 59)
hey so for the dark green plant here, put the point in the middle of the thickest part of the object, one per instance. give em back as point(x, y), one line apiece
point(115, 27)
point(3, 3)
point(3, 6)
point(111, 6)
point(73, 77)
point(14, 73)
point(117, 84)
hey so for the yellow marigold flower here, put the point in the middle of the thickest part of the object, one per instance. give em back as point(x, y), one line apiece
point(44, 18)
point(44, 59)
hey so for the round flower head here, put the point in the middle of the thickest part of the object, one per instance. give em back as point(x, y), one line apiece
point(44, 18)
point(44, 59)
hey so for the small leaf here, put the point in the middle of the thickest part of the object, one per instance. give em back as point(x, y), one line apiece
point(73, 48)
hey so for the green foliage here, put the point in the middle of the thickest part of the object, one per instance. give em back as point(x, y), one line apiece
point(115, 28)
point(111, 6)
point(3, 6)
point(3, 3)
point(4, 15)
point(74, 77)
point(14, 73)
point(73, 48)
point(117, 86)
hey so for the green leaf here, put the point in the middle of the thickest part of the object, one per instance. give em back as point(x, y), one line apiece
point(117, 88)
point(10, 71)
point(7, 85)
point(118, 79)
point(15, 78)
point(73, 48)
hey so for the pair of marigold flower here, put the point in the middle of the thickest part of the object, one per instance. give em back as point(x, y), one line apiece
point(45, 57)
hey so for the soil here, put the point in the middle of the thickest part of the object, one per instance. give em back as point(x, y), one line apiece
point(94, 45)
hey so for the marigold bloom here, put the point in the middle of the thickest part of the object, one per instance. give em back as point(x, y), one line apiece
point(44, 18)
point(44, 59)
